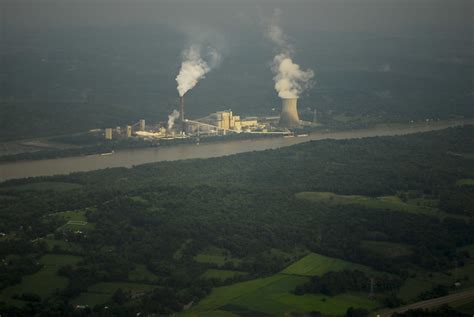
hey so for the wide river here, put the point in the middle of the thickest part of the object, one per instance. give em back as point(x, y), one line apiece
point(131, 157)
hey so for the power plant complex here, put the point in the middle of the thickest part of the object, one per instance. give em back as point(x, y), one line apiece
point(215, 124)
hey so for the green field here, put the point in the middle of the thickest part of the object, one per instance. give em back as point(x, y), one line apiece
point(56, 186)
point(221, 274)
point(272, 296)
point(465, 182)
point(215, 256)
point(62, 245)
point(44, 282)
point(392, 203)
point(424, 281)
point(315, 264)
point(386, 249)
point(76, 220)
point(101, 293)
point(142, 274)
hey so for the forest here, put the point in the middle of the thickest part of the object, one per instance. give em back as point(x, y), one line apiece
point(160, 238)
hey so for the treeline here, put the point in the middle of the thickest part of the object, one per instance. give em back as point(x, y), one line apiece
point(334, 283)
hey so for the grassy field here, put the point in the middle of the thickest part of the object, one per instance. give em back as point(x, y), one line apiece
point(56, 186)
point(273, 296)
point(425, 281)
point(465, 182)
point(221, 274)
point(142, 274)
point(76, 220)
point(215, 256)
point(62, 245)
point(387, 249)
point(101, 293)
point(44, 282)
point(392, 203)
point(315, 264)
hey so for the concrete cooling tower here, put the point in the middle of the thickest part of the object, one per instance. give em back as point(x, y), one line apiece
point(289, 114)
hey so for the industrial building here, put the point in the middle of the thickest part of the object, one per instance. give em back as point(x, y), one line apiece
point(108, 134)
point(217, 123)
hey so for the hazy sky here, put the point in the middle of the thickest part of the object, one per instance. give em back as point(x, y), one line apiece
point(386, 16)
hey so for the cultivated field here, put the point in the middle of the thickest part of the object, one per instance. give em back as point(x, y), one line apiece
point(392, 203)
point(315, 264)
point(215, 256)
point(44, 282)
point(221, 274)
point(273, 296)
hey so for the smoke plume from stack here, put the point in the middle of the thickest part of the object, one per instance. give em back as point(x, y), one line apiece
point(290, 79)
point(194, 67)
point(172, 118)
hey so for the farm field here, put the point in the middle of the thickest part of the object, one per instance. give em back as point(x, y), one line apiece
point(44, 282)
point(273, 296)
point(76, 220)
point(392, 203)
point(386, 249)
point(221, 274)
point(141, 273)
point(465, 182)
point(315, 264)
point(62, 245)
point(215, 256)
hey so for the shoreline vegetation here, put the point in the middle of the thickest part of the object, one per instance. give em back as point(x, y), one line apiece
point(102, 147)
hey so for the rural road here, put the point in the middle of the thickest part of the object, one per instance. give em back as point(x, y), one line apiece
point(469, 293)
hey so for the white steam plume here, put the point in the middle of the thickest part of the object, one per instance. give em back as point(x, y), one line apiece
point(290, 79)
point(171, 119)
point(194, 68)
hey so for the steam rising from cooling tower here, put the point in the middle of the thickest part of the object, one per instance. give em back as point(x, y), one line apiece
point(172, 118)
point(194, 67)
point(290, 79)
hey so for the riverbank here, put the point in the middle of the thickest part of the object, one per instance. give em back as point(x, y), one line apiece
point(131, 157)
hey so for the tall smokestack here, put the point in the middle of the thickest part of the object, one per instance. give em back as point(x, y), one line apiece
point(289, 113)
point(181, 112)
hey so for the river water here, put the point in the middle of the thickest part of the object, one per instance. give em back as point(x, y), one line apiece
point(131, 157)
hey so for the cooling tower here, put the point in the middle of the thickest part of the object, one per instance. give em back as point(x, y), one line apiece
point(289, 114)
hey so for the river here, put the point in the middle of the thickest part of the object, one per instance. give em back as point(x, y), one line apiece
point(131, 157)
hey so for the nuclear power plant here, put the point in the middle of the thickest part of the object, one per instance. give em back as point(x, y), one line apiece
point(215, 124)
point(289, 114)
point(289, 82)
